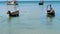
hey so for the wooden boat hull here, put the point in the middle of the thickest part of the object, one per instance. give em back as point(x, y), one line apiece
point(13, 14)
point(50, 14)
point(11, 4)
point(41, 3)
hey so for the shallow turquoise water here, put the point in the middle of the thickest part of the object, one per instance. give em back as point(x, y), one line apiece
point(32, 19)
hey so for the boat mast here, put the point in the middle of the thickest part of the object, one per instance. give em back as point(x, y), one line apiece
point(42, 1)
point(7, 1)
point(14, 0)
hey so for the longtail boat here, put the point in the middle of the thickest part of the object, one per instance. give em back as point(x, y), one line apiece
point(13, 2)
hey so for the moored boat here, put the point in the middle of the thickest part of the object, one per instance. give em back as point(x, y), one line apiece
point(13, 14)
point(41, 2)
point(50, 12)
point(14, 2)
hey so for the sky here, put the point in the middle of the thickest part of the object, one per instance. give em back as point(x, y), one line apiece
point(32, 0)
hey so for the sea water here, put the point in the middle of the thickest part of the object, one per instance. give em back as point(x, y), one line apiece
point(32, 18)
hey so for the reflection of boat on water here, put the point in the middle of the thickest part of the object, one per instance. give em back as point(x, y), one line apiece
point(41, 2)
point(14, 2)
point(50, 12)
point(49, 20)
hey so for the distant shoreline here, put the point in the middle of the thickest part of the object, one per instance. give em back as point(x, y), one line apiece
point(29, 1)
